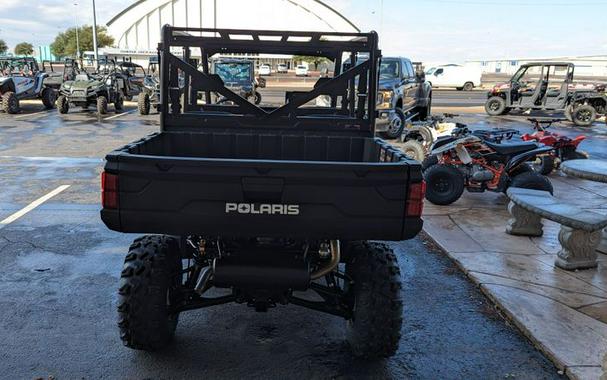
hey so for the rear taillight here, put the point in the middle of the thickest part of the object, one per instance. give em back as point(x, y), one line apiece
point(415, 200)
point(109, 190)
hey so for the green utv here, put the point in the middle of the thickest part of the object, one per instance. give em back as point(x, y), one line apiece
point(101, 89)
point(150, 89)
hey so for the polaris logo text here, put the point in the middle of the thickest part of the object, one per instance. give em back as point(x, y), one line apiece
point(262, 209)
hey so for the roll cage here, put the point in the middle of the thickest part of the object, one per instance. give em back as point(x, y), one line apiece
point(352, 93)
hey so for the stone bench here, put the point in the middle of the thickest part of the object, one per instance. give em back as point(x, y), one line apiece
point(580, 232)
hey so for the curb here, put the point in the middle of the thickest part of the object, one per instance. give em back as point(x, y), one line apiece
point(562, 368)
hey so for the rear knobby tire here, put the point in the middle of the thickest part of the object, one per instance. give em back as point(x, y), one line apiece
point(10, 103)
point(375, 328)
point(532, 180)
point(143, 104)
point(150, 274)
point(101, 105)
point(445, 184)
point(63, 105)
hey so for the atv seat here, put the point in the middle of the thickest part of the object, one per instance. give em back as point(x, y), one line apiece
point(511, 148)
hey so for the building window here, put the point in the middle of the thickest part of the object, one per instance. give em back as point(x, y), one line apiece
point(513, 63)
point(484, 63)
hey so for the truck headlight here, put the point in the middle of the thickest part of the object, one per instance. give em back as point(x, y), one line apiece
point(384, 99)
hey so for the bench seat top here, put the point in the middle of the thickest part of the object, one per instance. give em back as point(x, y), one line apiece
point(543, 204)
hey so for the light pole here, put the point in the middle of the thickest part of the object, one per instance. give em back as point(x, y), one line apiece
point(95, 34)
point(77, 38)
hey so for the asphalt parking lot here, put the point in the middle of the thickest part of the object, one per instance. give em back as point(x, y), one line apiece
point(59, 269)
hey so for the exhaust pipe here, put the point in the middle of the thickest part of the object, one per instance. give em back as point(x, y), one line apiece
point(335, 255)
point(203, 280)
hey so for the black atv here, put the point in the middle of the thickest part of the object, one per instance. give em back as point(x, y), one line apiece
point(480, 161)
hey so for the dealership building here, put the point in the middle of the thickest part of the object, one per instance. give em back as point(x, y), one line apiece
point(585, 66)
point(136, 29)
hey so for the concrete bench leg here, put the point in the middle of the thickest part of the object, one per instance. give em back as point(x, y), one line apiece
point(602, 248)
point(523, 222)
point(578, 248)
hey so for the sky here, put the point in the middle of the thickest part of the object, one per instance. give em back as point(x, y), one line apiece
point(426, 30)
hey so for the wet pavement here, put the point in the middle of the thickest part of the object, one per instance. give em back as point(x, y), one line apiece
point(59, 269)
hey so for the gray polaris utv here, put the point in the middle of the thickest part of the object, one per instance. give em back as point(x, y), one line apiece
point(548, 86)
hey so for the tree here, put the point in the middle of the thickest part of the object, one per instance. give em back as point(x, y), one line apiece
point(65, 42)
point(316, 61)
point(3, 47)
point(24, 48)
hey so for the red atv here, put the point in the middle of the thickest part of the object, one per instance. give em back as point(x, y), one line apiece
point(565, 148)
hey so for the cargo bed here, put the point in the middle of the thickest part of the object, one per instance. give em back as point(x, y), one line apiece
point(241, 185)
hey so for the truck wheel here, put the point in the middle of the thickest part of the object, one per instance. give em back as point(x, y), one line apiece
point(63, 105)
point(468, 86)
point(119, 102)
point(49, 96)
point(257, 97)
point(148, 283)
point(101, 105)
point(543, 164)
point(10, 103)
point(414, 149)
point(584, 115)
point(374, 330)
point(396, 126)
point(532, 180)
point(143, 104)
point(495, 106)
point(445, 184)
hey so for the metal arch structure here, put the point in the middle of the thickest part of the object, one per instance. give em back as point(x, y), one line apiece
point(138, 27)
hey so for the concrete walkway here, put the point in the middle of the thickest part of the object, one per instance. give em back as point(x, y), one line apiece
point(563, 313)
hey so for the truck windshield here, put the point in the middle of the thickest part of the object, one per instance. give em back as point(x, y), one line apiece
point(388, 70)
point(234, 72)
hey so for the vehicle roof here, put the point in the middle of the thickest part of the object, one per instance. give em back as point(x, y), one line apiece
point(401, 58)
point(547, 64)
point(232, 60)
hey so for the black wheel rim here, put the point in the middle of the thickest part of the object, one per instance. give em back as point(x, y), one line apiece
point(494, 105)
point(584, 115)
point(442, 185)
